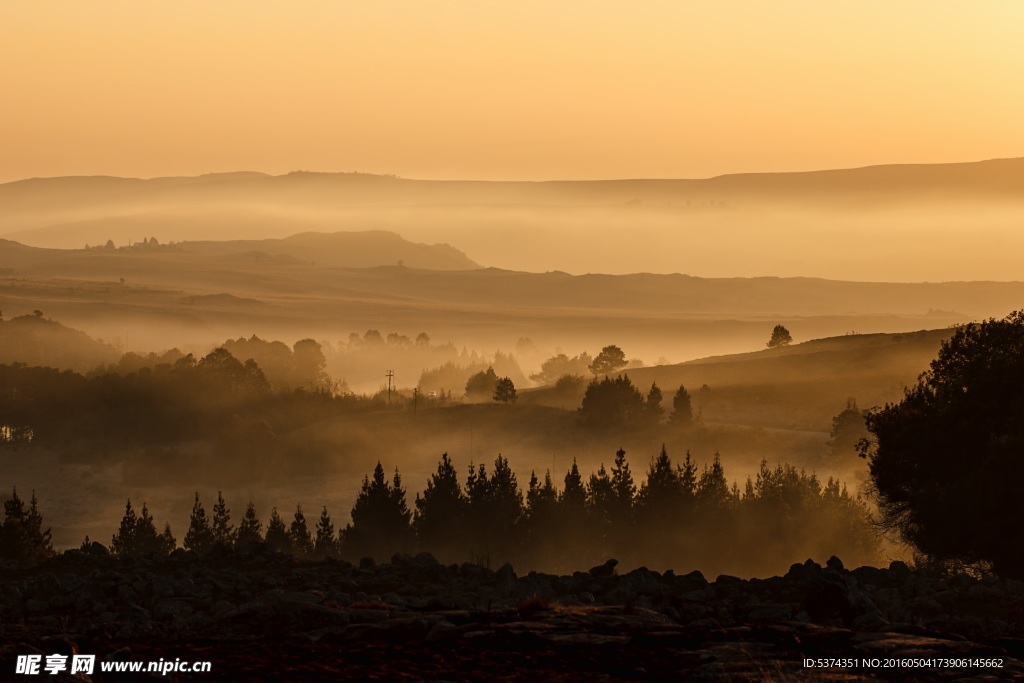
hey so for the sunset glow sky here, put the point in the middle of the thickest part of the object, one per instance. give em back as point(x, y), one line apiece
point(505, 90)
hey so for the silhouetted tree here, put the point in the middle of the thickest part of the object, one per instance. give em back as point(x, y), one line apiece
point(250, 529)
point(482, 384)
point(199, 537)
point(848, 428)
point(612, 402)
point(610, 359)
point(505, 391)
point(560, 365)
point(223, 530)
point(380, 518)
point(946, 460)
point(652, 406)
point(495, 509)
point(326, 542)
point(277, 533)
point(22, 536)
point(440, 519)
point(682, 409)
point(302, 540)
point(780, 337)
point(137, 535)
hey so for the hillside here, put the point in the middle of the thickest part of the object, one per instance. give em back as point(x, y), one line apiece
point(800, 387)
point(883, 223)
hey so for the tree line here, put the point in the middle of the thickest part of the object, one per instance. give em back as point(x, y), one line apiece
point(679, 515)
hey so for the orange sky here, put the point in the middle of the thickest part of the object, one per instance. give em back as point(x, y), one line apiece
point(502, 89)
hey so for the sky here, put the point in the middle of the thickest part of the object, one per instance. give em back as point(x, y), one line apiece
point(529, 90)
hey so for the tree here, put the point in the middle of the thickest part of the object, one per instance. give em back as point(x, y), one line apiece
point(199, 537)
point(22, 536)
point(608, 361)
point(848, 428)
point(682, 408)
point(277, 533)
point(440, 518)
point(380, 518)
point(505, 391)
point(482, 384)
point(652, 406)
point(223, 530)
point(250, 530)
point(946, 460)
point(612, 402)
point(326, 543)
point(302, 540)
point(780, 337)
point(560, 365)
point(137, 535)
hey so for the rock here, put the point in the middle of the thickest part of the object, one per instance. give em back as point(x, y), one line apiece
point(171, 609)
point(771, 613)
point(606, 569)
point(47, 586)
point(834, 563)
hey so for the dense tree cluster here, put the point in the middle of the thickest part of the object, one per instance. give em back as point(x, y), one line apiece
point(946, 461)
point(680, 515)
point(22, 536)
point(617, 402)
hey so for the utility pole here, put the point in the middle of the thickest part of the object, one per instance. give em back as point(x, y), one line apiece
point(390, 375)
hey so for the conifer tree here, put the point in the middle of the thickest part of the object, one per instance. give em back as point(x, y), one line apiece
point(682, 408)
point(167, 541)
point(326, 543)
point(37, 540)
point(223, 530)
point(302, 541)
point(713, 489)
point(652, 406)
point(381, 520)
point(122, 543)
point(277, 533)
point(250, 529)
point(199, 537)
point(440, 518)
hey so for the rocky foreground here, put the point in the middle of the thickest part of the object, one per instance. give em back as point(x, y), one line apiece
point(260, 616)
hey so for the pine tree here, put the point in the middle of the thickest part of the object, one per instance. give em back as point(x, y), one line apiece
point(622, 483)
point(574, 495)
point(38, 540)
point(223, 530)
point(440, 518)
point(167, 541)
point(199, 537)
point(302, 541)
point(652, 406)
point(146, 540)
point(277, 533)
point(381, 520)
point(713, 489)
point(682, 408)
point(250, 529)
point(326, 543)
point(122, 543)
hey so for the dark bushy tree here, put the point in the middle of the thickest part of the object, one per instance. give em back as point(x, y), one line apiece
point(780, 337)
point(137, 535)
point(652, 406)
point(610, 359)
point(848, 429)
point(482, 384)
point(505, 391)
point(612, 402)
point(947, 460)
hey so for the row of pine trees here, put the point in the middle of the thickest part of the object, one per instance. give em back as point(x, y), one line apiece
point(679, 516)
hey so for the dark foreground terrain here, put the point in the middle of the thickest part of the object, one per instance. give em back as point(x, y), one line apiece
point(260, 616)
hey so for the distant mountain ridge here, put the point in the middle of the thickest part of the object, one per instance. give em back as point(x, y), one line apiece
point(995, 178)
